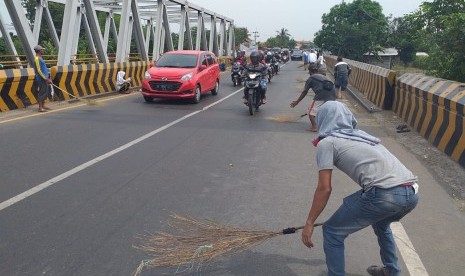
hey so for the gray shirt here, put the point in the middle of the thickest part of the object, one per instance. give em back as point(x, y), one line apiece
point(367, 165)
point(315, 82)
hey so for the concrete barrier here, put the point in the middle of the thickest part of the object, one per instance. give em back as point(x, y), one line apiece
point(374, 82)
point(435, 108)
point(16, 86)
point(91, 79)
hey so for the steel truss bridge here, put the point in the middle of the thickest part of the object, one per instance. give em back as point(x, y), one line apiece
point(159, 19)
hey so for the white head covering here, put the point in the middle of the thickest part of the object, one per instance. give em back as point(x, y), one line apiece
point(120, 78)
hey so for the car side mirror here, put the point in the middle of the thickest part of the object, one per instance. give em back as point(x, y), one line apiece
point(203, 67)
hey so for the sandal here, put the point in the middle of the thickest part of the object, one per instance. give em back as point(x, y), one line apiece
point(42, 110)
point(402, 130)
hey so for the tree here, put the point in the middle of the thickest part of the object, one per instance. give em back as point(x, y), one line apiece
point(283, 37)
point(440, 25)
point(241, 35)
point(403, 36)
point(352, 29)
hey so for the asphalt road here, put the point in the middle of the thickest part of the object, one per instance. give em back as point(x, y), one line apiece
point(81, 184)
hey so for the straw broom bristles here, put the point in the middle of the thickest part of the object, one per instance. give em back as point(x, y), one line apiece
point(203, 241)
point(286, 118)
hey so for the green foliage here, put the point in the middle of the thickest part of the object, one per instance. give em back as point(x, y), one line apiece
point(420, 62)
point(402, 36)
point(352, 29)
point(439, 25)
point(282, 39)
point(241, 35)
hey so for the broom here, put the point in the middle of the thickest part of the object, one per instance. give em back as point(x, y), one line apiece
point(284, 118)
point(200, 241)
point(77, 99)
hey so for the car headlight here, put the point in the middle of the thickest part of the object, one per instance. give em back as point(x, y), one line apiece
point(187, 77)
point(147, 75)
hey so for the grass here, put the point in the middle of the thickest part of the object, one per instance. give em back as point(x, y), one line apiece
point(402, 69)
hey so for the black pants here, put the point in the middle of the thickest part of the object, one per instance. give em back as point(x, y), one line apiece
point(42, 89)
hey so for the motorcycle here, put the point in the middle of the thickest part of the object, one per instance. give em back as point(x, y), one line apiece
point(252, 91)
point(285, 58)
point(236, 74)
point(275, 66)
point(270, 71)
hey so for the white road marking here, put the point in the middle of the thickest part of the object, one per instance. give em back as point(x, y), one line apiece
point(409, 254)
point(7, 203)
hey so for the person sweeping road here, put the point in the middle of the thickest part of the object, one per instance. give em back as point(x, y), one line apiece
point(324, 91)
point(388, 192)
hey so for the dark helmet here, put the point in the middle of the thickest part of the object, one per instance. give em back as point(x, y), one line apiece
point(312, 69)
point(255, 57)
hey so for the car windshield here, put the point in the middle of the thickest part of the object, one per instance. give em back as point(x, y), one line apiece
point(177, 61)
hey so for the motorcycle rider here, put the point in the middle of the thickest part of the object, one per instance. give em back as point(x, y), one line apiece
point(240, 58)
point(255, 65)
point(269, 58)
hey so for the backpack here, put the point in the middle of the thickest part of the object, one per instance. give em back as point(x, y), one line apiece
point(327, 84)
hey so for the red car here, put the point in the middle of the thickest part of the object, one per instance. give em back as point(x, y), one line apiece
point(185, 74)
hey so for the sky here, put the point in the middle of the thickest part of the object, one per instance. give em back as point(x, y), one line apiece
point(302, 18)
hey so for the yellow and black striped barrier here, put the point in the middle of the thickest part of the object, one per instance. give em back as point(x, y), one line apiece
point(375, 82)
point(16, 86)
point(90, 79)
point(226, 60)
point(435, 108)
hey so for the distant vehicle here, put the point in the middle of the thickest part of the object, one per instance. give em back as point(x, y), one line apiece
point(297, 54)
point(185, 74)
point(276, 50)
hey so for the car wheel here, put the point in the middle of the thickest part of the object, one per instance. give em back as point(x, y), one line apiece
point(148, 99)
point(197, 95)
point(217, 87)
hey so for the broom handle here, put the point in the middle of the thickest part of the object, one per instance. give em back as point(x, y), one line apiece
point(292, 230)
point(63, 90)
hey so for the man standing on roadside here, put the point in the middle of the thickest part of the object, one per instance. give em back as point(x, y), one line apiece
point(42, 78)
point(341, 76)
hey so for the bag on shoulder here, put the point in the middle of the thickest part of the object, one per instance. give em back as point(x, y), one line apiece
point(327, 84)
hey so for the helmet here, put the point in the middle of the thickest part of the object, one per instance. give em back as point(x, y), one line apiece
point(312, 69)
point(269, 53)
point(255, 57)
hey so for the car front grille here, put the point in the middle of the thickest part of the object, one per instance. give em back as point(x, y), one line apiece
point(165, 86)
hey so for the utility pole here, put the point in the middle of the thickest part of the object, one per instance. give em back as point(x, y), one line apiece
point(255, 35)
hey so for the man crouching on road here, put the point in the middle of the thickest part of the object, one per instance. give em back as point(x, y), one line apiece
point(389, 190)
